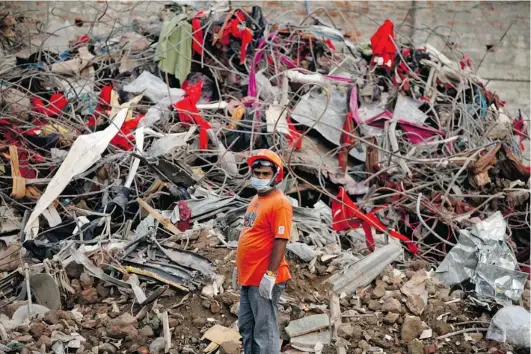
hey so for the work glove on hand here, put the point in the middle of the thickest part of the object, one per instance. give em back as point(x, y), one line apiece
point(266, 286)
point(235, 279)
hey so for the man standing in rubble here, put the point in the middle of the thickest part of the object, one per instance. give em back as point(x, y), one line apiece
point(261, 268)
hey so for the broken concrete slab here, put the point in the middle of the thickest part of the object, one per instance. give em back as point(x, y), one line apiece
point(366, 270)
point(302, 250)
point(308, 342)
point(307, 324)
point(417, 286)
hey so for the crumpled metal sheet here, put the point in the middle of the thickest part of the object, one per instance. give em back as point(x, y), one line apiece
point(326, 113)
point(483, 256)
point(314, 221)
point(211, 205)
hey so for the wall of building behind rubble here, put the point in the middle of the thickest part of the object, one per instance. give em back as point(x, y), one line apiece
point(501, 28)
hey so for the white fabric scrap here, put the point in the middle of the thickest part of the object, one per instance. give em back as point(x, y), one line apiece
point(85, 151)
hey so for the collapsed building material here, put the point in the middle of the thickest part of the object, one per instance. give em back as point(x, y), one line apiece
point(307, 325)
point(511, 325)
point(310, 342)
point(366, 270)
point(113, 196)
point(483, 256)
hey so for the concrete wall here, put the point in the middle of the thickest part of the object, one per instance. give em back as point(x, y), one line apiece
point(454, 27)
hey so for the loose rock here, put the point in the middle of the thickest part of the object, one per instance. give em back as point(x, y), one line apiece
point(102, 291)
point(476, 337)
point(382, 342)
point(415, 304)
point(106, 348)
point(411, 328)
point(37, 329)
point(378, 292)
point(430, 349)
point(464, 347)
point(86, 280)
point(51, 317)
point(234, 309)
point(147, 331)
point(44, 340)
point(230, 347)
point(24, 339)
point(229, 298)
point(89, 296)
point(415, 347)
point(362, 344)
point(374, 305)
point(345, 330)
point(157, 345)
point(391, 318)
point(74, 270)
point(123, 326)
point(391, 305)
point(442, 328)
point(214, 307)
point(199, 322)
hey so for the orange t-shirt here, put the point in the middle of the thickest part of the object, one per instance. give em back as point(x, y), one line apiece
point(266, 218)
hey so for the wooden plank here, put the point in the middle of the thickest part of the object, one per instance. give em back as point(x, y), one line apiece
point(166, 331)
point(335, 314)
point(165, 222)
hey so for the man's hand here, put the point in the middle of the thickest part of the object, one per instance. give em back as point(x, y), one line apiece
point(235, 279)
point(266, 287)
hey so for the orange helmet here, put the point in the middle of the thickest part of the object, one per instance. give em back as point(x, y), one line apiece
point(265, 154)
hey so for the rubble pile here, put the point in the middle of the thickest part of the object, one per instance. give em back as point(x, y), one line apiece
point(123, 186)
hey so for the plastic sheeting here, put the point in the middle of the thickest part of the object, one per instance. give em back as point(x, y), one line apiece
point(155, 89)
point(511, 325)
point(483, 256)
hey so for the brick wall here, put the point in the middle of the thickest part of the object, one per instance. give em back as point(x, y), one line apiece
point(454, 27)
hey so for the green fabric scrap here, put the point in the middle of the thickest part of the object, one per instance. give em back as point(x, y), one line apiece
point(174, 50)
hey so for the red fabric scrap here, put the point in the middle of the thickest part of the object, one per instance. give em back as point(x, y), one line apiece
point(57, 102)
point(294, 137)
point(330, 44)
point(346, 139)
point(199, 39)
point(104, 101)
point(383, 46)
point(245, 34)
point(346, 215)
point(185, 214)
point(84, 39)
point(189, 114)
point(125, 137)
point(104, 98)
point(520, 129)
point(465, 62)
point(11, 135)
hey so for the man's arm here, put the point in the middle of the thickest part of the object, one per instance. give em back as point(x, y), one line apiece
point(277, 254)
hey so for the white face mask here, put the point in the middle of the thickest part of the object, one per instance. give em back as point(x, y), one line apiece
point(261, 185)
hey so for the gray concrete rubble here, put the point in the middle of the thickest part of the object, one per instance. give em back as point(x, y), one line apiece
point(124, 180)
